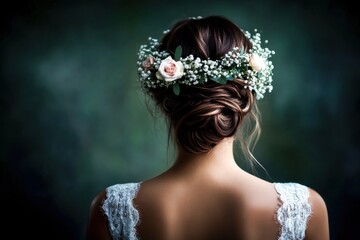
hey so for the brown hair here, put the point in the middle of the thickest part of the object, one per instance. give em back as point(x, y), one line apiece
point(203, 115)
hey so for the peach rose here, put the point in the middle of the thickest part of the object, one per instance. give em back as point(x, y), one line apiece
point(256, 62)
point(170, 70)
point(148, 63)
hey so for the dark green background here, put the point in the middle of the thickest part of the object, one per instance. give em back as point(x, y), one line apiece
point(73, 120)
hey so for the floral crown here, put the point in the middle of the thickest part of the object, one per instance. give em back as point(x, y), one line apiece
point(158, 69)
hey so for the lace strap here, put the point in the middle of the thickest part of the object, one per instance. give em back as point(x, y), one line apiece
point(294, 211)
point(118, 208)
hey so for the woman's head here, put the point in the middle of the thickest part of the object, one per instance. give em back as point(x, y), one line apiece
point(201, 113)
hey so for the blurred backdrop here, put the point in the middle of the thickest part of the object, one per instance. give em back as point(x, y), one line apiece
point(73, 120)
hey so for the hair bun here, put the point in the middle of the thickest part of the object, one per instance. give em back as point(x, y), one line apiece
point(203, 116)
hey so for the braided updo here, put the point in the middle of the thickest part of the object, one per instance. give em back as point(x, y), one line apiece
point(203, 115)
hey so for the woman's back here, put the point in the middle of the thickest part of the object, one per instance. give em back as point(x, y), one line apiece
point(204, 200)
point(207, 209)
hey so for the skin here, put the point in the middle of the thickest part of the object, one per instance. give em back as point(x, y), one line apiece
point(208, 196)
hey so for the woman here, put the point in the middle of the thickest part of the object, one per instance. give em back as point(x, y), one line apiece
point(206, 75)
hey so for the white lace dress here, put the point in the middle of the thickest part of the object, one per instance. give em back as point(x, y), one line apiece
point(122, 216)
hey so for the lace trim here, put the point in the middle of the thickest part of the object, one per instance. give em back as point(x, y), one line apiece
point(121, 214)
point(294, 211)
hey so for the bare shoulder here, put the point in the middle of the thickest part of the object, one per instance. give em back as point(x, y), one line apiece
point(97, 225)
point(318, 225)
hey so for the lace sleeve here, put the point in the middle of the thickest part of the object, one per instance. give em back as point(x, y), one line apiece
point(118, 208)
point(294, 210)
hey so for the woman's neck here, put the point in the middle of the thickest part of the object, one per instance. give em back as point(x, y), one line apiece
point(217, 162)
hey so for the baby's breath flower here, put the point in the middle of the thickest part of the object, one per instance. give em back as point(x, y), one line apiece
point(254, 67)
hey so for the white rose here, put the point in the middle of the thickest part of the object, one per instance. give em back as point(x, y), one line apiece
point(256, 62)
point(170, 70)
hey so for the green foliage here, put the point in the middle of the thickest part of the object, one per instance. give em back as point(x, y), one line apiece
point(176, 89)
point(178, 53)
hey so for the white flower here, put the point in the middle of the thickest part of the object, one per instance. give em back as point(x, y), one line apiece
point(170, 70)
point(256, 62)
